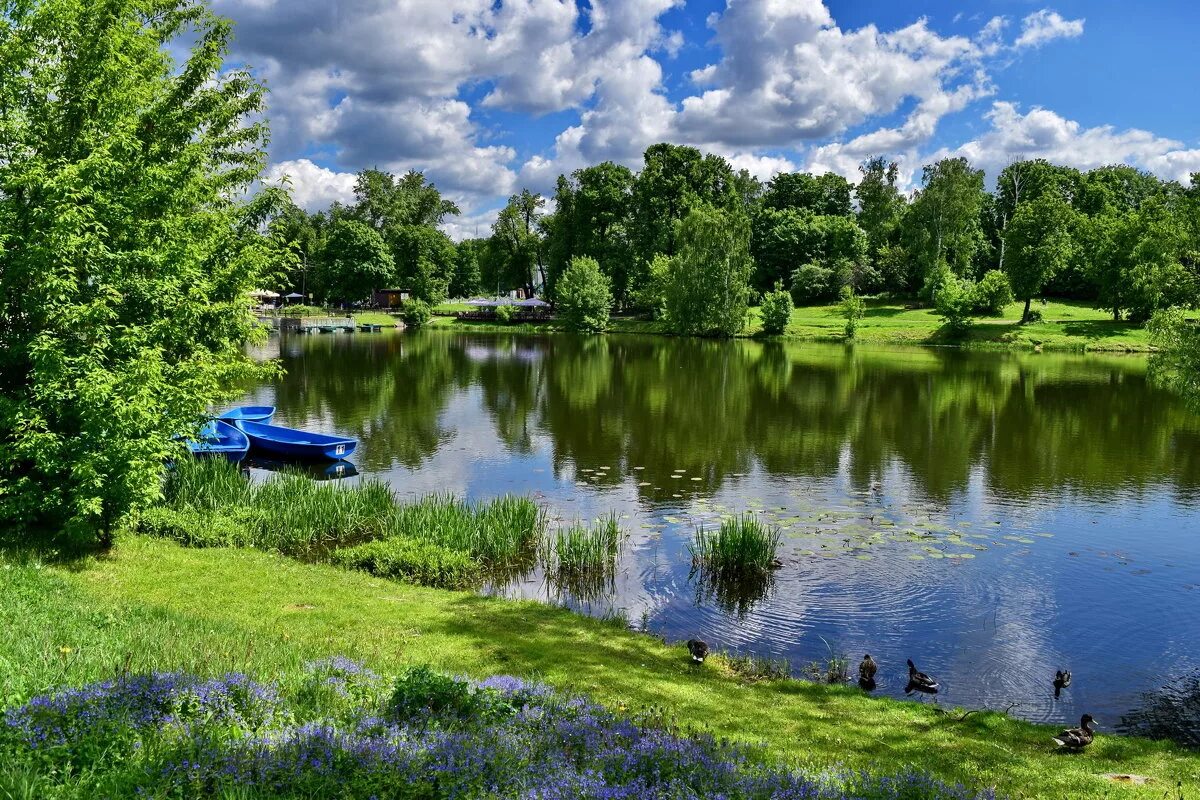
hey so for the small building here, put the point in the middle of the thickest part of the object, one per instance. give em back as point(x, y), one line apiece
point(389, 298)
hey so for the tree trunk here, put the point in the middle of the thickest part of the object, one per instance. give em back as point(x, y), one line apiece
point(1025, 316)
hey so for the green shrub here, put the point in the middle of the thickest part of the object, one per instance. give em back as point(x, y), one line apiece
point(194, 528)
point(416, 313)
point(424, 696)
point(954, 299)
point(413, 560)
point(584, 296)
point(812, 283)
point(853, 309)
point(776, 311)
point(993, 294)
point(505, 313)
point(741, 545)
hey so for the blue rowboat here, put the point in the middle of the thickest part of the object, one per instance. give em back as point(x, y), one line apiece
point(252, 413)
point(296, 444)
point(217, 439)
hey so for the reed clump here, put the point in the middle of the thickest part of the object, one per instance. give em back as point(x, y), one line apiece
point(740, 546)
point(438, 540)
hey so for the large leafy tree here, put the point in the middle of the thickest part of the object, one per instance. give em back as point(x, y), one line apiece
point(583, 296)
point(127, 249)
point(354, 262)
point(823, 195)
point(674, 180)
point(708, 286)
point(517, 240)
point(1039, 242)
point(880, 203)
point(426, 261)
point(943, 227)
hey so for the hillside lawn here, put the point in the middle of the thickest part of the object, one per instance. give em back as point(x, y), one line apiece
point(212, 611)
point(1066, 325)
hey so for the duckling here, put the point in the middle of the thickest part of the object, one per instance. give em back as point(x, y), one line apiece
point(1062, 679)
point(1077, 738)
point(919, 681)
point(698, 649)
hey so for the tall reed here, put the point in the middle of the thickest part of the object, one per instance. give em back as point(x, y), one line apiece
point(742, 545)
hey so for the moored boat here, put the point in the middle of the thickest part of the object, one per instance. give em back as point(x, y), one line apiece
point(294, 443)
point(251, 413)
point(217, 439)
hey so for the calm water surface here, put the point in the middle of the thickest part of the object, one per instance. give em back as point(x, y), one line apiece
point(994, 516)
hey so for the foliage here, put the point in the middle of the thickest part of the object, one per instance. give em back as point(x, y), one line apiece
point(812, 282)
point(708, 290)
point(592, 218)
point(416, 313)
point(993, 294)
point(505, 313)
point(426, 261)
point(354, 262)
point(784, 238)
point(1037, 243)
point(821, 195)
point(943, 225)
point(675, 180)
point(329, 733)
point(578, 550)
point(852, 309)
point(651, 295)
point(414, 560)
point(1177, 362)
point(468, 279)
point(881, 206)
point(741, 545)
point(127, 249)
point(776, 310)
point(583, 296)
point(517, 241)
point(954, 299)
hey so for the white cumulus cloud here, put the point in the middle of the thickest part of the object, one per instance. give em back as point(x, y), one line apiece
point(1046, 26)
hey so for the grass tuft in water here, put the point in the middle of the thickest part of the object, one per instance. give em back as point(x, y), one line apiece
point(583, 560)
point(741, 546)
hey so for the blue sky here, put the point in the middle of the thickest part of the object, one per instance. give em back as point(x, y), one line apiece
point(488, 96)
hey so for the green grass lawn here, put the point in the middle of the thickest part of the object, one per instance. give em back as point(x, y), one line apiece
point(375, 318)
point(160, 606)
point(1066, 325)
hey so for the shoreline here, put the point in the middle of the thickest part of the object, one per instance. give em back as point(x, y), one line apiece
point(258, 611)
point(1068, 327)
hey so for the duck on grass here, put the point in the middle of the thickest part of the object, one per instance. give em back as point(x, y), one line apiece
point(337, 729)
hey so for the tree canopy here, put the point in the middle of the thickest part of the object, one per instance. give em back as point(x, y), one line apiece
point(127, 249)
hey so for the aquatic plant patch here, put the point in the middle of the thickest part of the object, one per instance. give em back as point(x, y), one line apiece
point(336, 730)
point(414, 560)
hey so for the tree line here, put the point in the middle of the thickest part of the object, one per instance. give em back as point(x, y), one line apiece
point(1114, 235)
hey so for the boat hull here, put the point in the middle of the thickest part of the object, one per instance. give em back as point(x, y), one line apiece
point(250, 413)
point(219, 439)
point(292, 443)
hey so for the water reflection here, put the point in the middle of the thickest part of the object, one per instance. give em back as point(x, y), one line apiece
point(995, 516)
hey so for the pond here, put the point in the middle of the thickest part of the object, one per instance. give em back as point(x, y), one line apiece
point(993, 516)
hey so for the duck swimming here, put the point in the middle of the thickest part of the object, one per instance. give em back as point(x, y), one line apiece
point(1062, 679)
point(698, 649)
point(919, 681)
point(1077, 738)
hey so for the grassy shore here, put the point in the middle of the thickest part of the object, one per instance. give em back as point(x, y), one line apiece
point(215, 610)
point(1066, 325)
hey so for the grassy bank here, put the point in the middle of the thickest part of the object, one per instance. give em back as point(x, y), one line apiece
point(1066, 325)
point(216, 610)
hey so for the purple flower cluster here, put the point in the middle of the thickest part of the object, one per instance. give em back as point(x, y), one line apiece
point(139, 703)
point(521, 741)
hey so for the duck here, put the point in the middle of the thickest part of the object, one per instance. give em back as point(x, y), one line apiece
point(698, 649)
point(1077, 738)
point(1062, 679)
point(919, 681)
point(867, 669)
